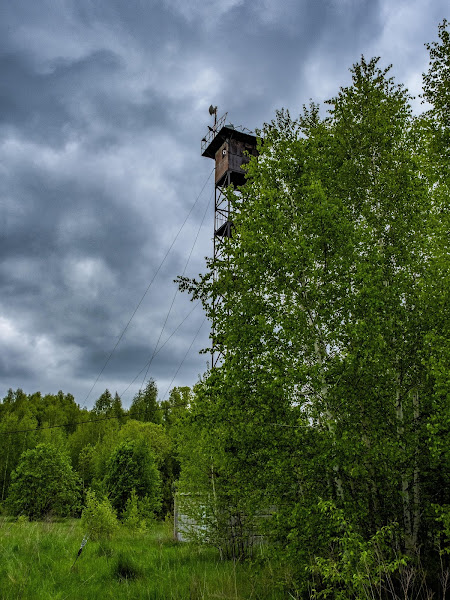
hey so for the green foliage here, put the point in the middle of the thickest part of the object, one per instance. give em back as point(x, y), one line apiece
point(138, 513)
point(175, 410)
point(117, 409)
point(89, 445)
point(42, 483)
point(330, 315)
point(104, 404)
point(149, 434)
point(176, 406)
point(86, 465)
point(158, 439)
point(125, 568)
point(132, 467)
point(220, 509)
point(36, 559)
point(442, 513)
point(130, 516)
point(145, 405)
point(99, 519)
point(437, 79)
point(11, 447)
point(357, 567)
point(20, 411)
point(22, 520)
point(437, 120)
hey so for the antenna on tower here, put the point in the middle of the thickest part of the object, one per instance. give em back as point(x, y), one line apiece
point(213, 111)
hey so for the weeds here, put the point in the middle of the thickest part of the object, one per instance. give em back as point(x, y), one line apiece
point(125, 568)
point(36, 559)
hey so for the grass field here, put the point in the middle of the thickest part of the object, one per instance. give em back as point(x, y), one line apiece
point(36, 560)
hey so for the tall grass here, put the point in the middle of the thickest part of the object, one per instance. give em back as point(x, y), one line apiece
point(36, 560)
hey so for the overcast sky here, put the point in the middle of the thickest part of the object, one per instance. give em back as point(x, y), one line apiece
point(103, 104)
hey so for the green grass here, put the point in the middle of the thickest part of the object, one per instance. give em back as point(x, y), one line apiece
point(36, 560)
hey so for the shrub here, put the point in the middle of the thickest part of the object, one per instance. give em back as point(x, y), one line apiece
point(99, 519)
point(131, 517)
point(22, 520)
point(137, 514)
point(132, 467)
point(42, 483)
point(355, 567)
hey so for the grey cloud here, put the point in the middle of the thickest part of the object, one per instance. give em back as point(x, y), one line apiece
point(102, 108)
point(85, 99)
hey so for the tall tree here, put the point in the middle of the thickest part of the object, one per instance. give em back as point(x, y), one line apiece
point(43, 482)
point(117, 408)
point(323, 391)
point(104, 404)
point(176, 405)
point(437, 285)
point(145, 406)
point(132, 467)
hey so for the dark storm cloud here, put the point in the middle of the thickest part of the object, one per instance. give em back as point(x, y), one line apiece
point(102, 107)
point(41, 104)
point(56, 106)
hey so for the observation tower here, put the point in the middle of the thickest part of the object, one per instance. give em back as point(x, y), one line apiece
point(231, 148)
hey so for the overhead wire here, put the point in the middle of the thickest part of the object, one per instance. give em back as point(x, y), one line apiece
point(176, 293)
point(149, 286)
point(127, 416)
point(162, 346)
point(157, 350)
point(34, 429)
point(184, 358)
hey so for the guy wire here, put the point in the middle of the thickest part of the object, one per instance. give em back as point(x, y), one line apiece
point(149, 285)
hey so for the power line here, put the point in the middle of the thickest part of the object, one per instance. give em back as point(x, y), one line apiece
point(126, 389)
point(63, 425)
point(125, 416)
point(184, 358)
point(161, 347)
point(176, 291)
point(148, 287)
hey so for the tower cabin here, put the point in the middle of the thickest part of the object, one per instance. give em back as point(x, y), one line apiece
point(230, 148)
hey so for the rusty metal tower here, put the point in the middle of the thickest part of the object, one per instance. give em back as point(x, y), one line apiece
point(230, 147)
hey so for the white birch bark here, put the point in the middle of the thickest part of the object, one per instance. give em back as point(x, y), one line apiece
point(404, 479)
point(416, 475)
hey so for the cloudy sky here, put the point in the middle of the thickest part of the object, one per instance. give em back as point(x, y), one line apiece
point(103, 104)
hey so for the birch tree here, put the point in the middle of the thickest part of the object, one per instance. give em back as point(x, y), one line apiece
point(331, 288)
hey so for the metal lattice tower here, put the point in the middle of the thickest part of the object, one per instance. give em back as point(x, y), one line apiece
point(230, 148)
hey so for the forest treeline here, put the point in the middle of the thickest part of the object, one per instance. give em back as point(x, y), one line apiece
point(52, 452)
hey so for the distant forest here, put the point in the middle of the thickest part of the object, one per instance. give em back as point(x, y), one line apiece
point(52, 451)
